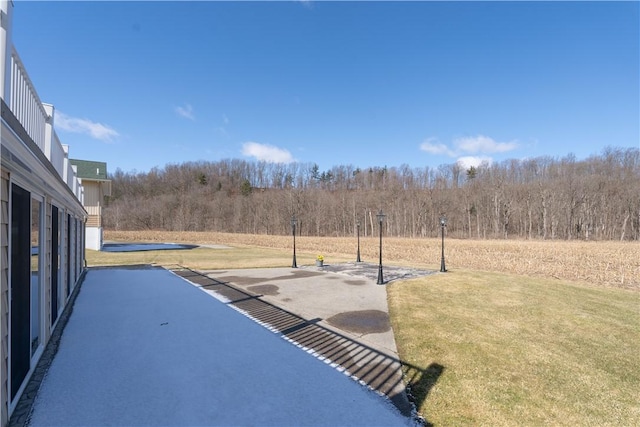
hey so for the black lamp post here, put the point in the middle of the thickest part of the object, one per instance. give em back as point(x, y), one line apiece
point(294, 222)
point(443, 224)
point(358, 228)
point(380, 217)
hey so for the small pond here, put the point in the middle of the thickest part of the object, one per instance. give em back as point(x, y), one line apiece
point(136, 247)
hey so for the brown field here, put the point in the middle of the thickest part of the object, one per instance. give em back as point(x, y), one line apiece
point(607, 263)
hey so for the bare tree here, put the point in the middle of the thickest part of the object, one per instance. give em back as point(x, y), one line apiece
point(545, 198)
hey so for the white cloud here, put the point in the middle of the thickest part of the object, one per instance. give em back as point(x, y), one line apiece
point(266, 153)
point(473, 161)
point(479, 146)
point(483, 144)
point(93, 129)
point(186, 112)
point(433, 146)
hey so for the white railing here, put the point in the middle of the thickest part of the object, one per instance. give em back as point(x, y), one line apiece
point(25, 103)
point(37, 120)
point(73, 179)
point(94, 210)
point(67, 171)
point(56, 156)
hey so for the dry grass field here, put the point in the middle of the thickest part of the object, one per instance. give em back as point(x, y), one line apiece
point(521, 332)
point(610, 264)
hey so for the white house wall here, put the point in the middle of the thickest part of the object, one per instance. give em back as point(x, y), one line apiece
point(25, 165)
point(20, 166)
point(34, 163)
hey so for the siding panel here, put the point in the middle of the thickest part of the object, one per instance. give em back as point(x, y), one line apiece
point(91, 193)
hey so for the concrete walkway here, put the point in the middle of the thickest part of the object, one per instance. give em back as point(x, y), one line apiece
point(336, 312)
point(144, 347)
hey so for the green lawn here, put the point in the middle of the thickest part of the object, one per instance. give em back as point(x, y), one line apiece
point(515, 350)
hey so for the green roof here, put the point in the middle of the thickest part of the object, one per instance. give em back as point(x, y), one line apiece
point(90, 170)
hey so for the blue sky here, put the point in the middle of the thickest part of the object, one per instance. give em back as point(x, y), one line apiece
point(145, 84)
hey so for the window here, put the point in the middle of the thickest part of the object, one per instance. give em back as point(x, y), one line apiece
point(67, 259)
point(26, 290)
point(56, 281)
point(20, 289)
point(37, 251)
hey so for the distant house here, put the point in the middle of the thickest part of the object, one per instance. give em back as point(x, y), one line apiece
point(42, 254)
point(93, 177)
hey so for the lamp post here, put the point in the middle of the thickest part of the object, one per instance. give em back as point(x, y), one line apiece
point(443, 224)
point(294, 222)
point(380, 217)
point(358, 228)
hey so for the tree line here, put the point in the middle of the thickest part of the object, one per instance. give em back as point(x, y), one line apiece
point(540, 198)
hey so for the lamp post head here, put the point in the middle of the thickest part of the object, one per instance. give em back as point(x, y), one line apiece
point(380, 216)
point(443, 221)
point(294, 221)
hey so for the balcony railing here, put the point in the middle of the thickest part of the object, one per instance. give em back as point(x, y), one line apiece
point(95, 216)
point(56, 154)
point(94, 210)
point(37, 120)
point(25, 103)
